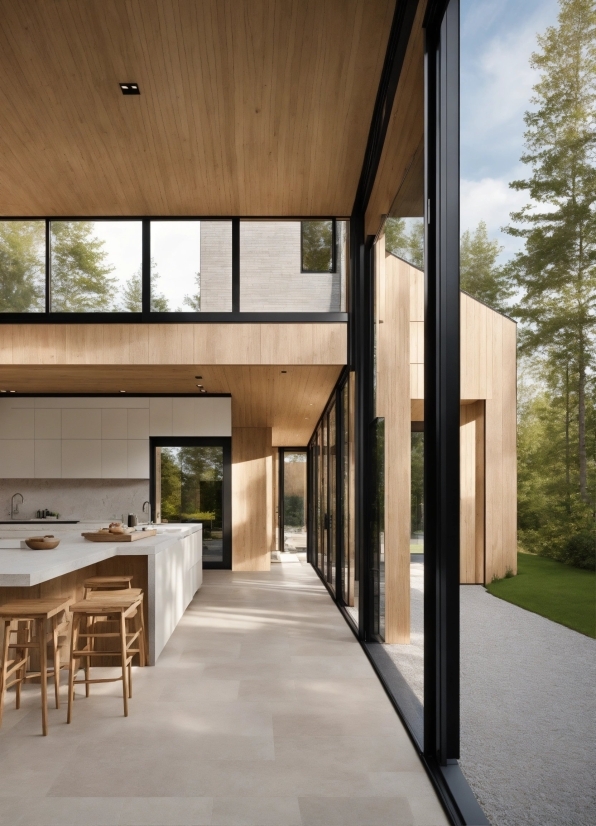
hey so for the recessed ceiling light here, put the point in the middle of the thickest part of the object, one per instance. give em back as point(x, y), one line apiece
point(130, 88)
point(284, 371)
point(123, 391)
point(3, 391)
point(198, 377)
point(200, 385)
point(202, 391)
point(12, 391)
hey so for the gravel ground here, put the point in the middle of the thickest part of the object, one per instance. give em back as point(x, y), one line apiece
point(528, 708)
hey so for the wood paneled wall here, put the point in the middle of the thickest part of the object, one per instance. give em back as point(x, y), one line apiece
point(252, 498)
point(472, 493)
point(393, 404)
point(488, 374)
point(155, 344)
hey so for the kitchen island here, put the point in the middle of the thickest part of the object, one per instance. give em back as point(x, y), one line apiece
point(167, 566)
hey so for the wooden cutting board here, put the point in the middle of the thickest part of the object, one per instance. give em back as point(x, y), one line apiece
point(118, 537)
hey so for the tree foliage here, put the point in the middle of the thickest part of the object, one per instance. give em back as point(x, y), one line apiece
point(555, 276)
point(81, 279)
point(480, 275)
point(194, 301)
point(405, 241)
point(317, 246)
point(22, 266)
point(132, 293)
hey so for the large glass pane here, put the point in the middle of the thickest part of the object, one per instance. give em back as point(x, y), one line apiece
point(271, 271)
point(332, 522)
point(175, 266)
point(191, 266)
point(378, 528)
point(189, 485)
point(294, 510)
point(350, 574)
point(22, 266)
point(317, 246)
point(95, 266)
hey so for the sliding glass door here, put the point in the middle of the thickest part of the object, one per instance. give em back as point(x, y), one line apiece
point(190, 482)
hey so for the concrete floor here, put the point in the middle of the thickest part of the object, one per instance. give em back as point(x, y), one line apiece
point(262, 711)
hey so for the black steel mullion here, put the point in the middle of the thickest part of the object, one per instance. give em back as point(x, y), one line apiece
point(442, 391)
point(235, 265)
point(48, 265)
point(146, 268)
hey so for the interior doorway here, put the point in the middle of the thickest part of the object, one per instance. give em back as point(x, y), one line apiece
point(191, 482)
point(292, 500)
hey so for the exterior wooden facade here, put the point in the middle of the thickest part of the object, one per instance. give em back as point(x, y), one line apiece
point(488, 459)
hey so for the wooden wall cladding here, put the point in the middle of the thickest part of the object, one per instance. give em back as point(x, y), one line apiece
point(252, 480)
point(247, 107)
point(138, 344)
point(393, 404)
point(472, 492)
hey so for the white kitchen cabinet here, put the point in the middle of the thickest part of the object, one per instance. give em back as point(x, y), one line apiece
point(81, 423)
point(16, 423)
point(17, 458)
point(48, 458)
point(160, 417)
point(48, 424)
point(114, 458)
point(201, 417)
point(114, 424)
point(138, 423)
point(81, 458)
point(138, 459)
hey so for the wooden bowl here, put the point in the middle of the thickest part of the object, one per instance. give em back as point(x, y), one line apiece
point(42, 543)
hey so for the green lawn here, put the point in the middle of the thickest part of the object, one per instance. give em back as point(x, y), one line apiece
point(553, 590)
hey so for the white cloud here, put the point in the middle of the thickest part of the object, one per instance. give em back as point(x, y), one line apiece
point(491, 200)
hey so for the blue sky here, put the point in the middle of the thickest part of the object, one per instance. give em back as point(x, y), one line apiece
point(497, 39)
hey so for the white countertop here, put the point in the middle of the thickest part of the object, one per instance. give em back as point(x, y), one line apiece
point(24, 568)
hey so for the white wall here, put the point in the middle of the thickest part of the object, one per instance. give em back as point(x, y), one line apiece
point(98, 437)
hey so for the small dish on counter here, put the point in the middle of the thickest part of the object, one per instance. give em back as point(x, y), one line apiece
point(42, 543)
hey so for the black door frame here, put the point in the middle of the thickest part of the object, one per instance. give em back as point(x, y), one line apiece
point(281, 493)
point(224, 442)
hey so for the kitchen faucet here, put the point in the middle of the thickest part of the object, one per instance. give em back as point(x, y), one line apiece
point(14, 508)
point(147, 510)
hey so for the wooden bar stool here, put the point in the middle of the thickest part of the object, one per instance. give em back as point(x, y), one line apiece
point(25, 613)
point(117, 607)
point(138, 616)
point(107, 583)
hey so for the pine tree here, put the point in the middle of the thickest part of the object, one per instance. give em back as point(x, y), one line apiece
point(80, 274)
point(132, 293)
point(406, 244)
point(480, 275)
point(556, 272)
point(22, 266)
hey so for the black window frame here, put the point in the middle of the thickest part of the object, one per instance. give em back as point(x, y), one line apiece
point(224, 442)
point(333, 268)
point(146, 316)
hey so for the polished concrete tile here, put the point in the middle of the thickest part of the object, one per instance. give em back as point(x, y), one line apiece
point(262, 711)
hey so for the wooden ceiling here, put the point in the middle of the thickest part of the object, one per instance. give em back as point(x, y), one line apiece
point(290, 402)
point(247, 107)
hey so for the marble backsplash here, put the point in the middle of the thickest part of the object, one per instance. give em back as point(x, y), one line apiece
point(88, 500)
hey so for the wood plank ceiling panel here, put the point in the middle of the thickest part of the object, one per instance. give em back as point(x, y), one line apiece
point(399, 182)
point(290, 402)
point(247, 107)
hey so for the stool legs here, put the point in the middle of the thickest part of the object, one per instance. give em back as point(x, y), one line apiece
point(43, 659)
point(125, 671)
point(3, 674)
point(71, 664)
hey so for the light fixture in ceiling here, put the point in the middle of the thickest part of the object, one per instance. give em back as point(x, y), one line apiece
point(284, 371)
point(123, 391)
point(12, 391)
point(130, 88)
point(198, 377)
point(200, 386)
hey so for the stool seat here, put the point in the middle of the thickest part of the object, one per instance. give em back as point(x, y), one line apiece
point(25, 613)
point(119, 606)
point(104, 583)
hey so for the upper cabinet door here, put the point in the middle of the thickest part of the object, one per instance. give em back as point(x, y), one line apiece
point(81, 423)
